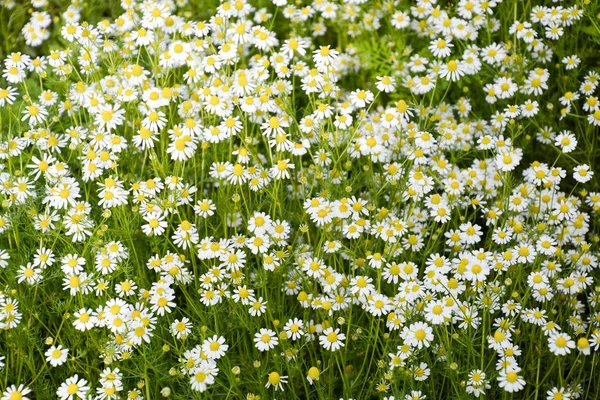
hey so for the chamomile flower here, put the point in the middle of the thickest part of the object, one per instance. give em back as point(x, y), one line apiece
point(560, 344)
point(84, 319)
point(203, 375)
point(35, 114)
point(566, 141)
point(313, 375)
point(510, 381)
point(16, 392)
point(73, 388)
point(56, 355)
point(294, 329)
point(215, 347)
point(331, 339)
point(582, 173)
point(205, 208)
point(109, 117)
point(155, 224)
point(181, 328)
point(417, 335)
point(386, 84)
point(265, 339)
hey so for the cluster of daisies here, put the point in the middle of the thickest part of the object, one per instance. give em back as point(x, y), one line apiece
point(38, 28)
point(226, 193)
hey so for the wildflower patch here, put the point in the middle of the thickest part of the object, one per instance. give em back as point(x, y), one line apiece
point(313, 199)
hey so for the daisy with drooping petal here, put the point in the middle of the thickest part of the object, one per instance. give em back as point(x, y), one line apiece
point(276, 380)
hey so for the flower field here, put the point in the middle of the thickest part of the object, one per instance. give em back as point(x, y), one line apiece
point(272, 199)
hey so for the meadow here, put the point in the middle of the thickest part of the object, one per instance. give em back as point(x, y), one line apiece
point(252, 199)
